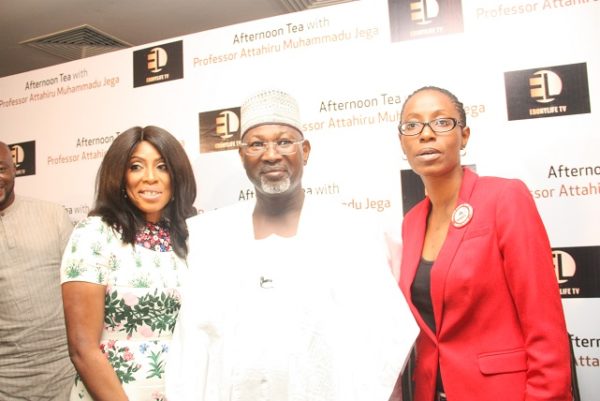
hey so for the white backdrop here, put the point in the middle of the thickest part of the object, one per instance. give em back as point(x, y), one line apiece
point(350, 73)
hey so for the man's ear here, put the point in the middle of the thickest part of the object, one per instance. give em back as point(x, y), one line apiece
point(305, 150)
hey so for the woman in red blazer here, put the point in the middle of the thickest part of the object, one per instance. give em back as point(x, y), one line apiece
point(477, 272)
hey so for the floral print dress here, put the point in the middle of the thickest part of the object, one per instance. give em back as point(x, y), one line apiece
point(141, 304)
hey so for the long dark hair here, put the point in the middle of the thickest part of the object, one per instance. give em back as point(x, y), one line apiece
point(118, 211)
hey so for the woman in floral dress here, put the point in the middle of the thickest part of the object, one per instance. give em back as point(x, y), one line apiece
point(123, 266)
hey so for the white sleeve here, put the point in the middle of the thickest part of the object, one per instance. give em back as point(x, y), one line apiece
point(187, 365)
point(381, 322)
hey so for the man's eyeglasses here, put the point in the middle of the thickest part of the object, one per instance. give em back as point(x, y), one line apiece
point(439, 126)
point(281, 146)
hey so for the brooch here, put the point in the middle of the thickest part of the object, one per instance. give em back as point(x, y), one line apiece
point(462, 215)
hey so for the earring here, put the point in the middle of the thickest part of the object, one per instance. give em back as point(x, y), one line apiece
point(404, 156)
point(124, 194)
point(463, 152)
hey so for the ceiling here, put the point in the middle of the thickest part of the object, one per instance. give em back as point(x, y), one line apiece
point(135, 22)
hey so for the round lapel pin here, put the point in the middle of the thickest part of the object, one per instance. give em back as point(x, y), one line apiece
point(462, 215)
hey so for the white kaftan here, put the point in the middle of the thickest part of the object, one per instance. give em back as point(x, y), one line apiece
point(315, 317)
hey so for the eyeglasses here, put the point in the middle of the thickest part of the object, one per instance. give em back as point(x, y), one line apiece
point(439, 126)
point(281, 146)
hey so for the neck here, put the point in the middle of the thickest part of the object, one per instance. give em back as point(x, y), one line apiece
point(443, 191)
point(277, 214)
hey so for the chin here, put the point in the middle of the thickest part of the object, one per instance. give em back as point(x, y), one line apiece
point(273, 188)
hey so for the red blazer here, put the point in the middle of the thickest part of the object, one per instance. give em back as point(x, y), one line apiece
point(501, 333)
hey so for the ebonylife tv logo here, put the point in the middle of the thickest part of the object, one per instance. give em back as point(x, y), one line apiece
point(424, 18)
point(158, 64)
point(547, 91)
point(23, 155)
point(219, 130)
point(578, 271)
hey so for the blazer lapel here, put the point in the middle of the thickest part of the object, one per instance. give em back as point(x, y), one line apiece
point(442, 265)
point(413, 248)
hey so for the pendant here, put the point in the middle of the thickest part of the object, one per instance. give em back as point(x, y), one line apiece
point(462, 215)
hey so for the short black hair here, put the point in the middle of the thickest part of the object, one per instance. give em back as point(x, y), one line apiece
point(457, 103)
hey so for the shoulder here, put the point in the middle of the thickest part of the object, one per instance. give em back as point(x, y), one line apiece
point(91, 222)
point(334, 217)
point(323, 204)
point(493, 181)
point(328, 210)
point(45, 213)
point(40, 204)
point(94, 225)
point(507, 198)
point(496, 186)
point(226, 212)
point(224, 221)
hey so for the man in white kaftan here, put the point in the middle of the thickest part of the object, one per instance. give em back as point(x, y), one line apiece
point(289, 298)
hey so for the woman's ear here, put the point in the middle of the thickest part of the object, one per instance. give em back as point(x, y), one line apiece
point(465, 134)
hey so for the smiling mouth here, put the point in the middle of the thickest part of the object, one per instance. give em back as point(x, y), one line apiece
point(150, 194)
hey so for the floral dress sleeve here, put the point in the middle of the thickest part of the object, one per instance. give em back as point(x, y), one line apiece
point(89, 255)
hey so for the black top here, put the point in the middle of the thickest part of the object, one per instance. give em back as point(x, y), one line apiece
point(421, 297)
point(421, 292)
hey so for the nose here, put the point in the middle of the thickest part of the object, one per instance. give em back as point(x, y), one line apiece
point(427, 133)
point(150, 175)
point(270, 153)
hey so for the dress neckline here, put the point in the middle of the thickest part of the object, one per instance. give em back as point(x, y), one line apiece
point(154, 236)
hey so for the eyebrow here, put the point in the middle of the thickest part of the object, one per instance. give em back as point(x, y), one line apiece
point(136, 157)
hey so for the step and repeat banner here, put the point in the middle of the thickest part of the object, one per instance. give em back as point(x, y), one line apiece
point(526, 71)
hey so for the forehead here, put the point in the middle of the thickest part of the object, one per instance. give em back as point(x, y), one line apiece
point(271, 131)
point(145, 149)
point(428, 101)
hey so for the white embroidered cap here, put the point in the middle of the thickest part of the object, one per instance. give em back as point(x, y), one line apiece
point(270, 107)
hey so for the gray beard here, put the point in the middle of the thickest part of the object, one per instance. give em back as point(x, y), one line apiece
point(275, 187)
